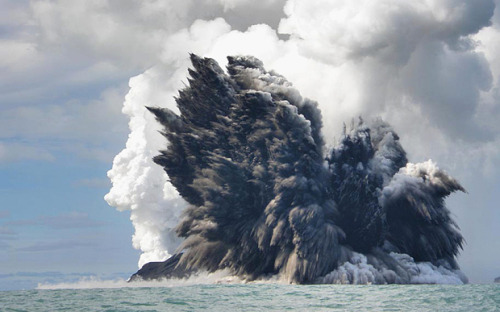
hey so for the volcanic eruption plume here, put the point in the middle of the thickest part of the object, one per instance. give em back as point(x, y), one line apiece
point(266, 197)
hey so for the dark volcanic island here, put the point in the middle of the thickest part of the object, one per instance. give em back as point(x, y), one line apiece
point(266, 197)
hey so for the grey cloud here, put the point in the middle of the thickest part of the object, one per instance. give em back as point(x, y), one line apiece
point(466, 18)
point(447, 87)
point(496, 16)
point(4, 230)
point(420, 53)
point(7, 234)
point(135, 30)
point(93, 129)
point(65, 41)
point(72, 220)
point(13, 18)
point(15, 152)
point(44, 246)
point(360, 30)
point(248, 14)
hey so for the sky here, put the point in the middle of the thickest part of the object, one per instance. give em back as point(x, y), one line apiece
point(75, 77)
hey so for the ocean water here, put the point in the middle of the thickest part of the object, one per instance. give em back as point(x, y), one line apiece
point(259, 297)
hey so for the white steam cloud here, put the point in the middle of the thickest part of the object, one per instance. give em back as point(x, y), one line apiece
point(139, 187)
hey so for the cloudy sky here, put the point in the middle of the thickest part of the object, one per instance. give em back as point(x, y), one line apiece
point(69, 67)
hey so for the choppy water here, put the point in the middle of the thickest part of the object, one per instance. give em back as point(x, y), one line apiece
point(259, 297)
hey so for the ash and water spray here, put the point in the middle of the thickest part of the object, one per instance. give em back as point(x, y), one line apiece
point(266, 198)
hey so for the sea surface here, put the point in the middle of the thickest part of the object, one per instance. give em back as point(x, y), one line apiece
point(259, 297)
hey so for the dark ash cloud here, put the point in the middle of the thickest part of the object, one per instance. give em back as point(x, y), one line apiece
point(265, 197)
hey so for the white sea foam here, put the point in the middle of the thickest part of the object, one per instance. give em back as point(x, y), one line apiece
point(202, 278)
point(358, 270)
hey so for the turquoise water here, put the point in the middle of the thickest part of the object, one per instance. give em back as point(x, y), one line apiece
point(260, 297)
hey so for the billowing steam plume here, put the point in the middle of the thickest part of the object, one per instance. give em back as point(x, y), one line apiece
point(266, 197)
